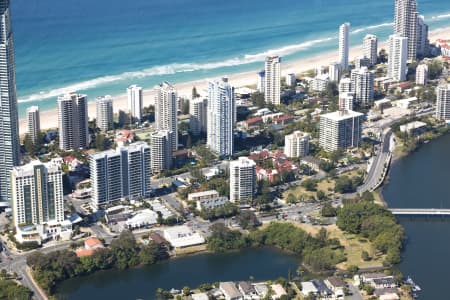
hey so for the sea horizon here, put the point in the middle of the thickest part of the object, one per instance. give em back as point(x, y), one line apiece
point(146, 52)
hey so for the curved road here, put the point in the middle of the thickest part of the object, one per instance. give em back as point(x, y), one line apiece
point(377, 167)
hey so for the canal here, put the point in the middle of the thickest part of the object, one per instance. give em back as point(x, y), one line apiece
point(141, 283)
point(421, 180)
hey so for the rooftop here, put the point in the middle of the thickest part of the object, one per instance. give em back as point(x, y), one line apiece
point(230, 290)
point(342, 115)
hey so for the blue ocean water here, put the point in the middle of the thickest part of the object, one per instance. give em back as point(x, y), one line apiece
point(100, 47)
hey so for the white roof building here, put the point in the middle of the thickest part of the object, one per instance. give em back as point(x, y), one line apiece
point(182, 236)
point(143, 218)
point(308, 287)
point(416, 125)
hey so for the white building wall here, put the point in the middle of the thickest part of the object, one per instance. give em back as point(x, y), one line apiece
point(272, 85)
point(398, 55)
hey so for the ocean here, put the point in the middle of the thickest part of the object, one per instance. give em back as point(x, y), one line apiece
point(100, 47)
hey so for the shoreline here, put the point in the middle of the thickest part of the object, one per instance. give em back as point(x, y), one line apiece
point(49, 117)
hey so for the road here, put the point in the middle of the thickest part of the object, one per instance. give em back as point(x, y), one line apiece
point(377, 167)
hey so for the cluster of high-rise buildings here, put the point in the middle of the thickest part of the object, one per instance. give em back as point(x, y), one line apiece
point(35, 190)
point(409, 39)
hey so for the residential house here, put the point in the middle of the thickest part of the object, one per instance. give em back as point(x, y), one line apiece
point(247, 290)
point(230, 291)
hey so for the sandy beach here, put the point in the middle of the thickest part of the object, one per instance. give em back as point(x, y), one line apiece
point(49, 118)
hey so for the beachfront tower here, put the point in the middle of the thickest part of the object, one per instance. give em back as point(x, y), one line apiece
point(334, 71)
point(33, 123)
point(197, 110)
point(135, 103)
point(221, 117)
point(261, 81)
point(398, 55)
point(9, 128)
point(422, 37)
point(272, 83)
point(405, 24)
point(370, 45)
point(242, 180)
point(343, 45)
point(166, 111)
point(104, 112)
point(73, 122)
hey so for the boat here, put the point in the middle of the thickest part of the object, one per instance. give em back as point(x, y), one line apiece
point(414, 286)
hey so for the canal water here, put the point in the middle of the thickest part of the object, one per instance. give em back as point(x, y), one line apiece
point(141, 283)
point(422, 180)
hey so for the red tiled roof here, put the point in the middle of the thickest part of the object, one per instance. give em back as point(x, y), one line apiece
point(92, 242)
point(253, 120)
point(68, 158)
point(283, 118)
point(84, 252)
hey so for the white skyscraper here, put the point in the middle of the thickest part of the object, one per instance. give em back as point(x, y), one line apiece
point(37, 193)
point(422, 74)
point(9, 127)
point(422, 36)
point(334, 71)
point(363, 85)
point(198, 112)
point(242, 180)
point(291, 79)
point(120, 173)
point(370, 45)
point(296, 144)
point(73, 122)
point(166, 111)
point(345, 85)
point(398, 55)
point(344, 45)
point(221, 117)
point(340, 130)
point(405, 24)
point(443, 102)
point(161, 151)
point(104, 113)
point(33, 123)
point(272, 85)
point(261, 83)
point(346, 100)
point(135, 102)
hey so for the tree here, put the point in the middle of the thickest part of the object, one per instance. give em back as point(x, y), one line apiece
point(310, 185)
point(291, 198)
point(247, 220)
point(382, 56)
point(28, 145)
point(365, 256)
point(321, 195)
point(344, 185)
point(223, 239)
point(101, 142)
point(328, 210)
point(258, 99)
point(186, 291)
